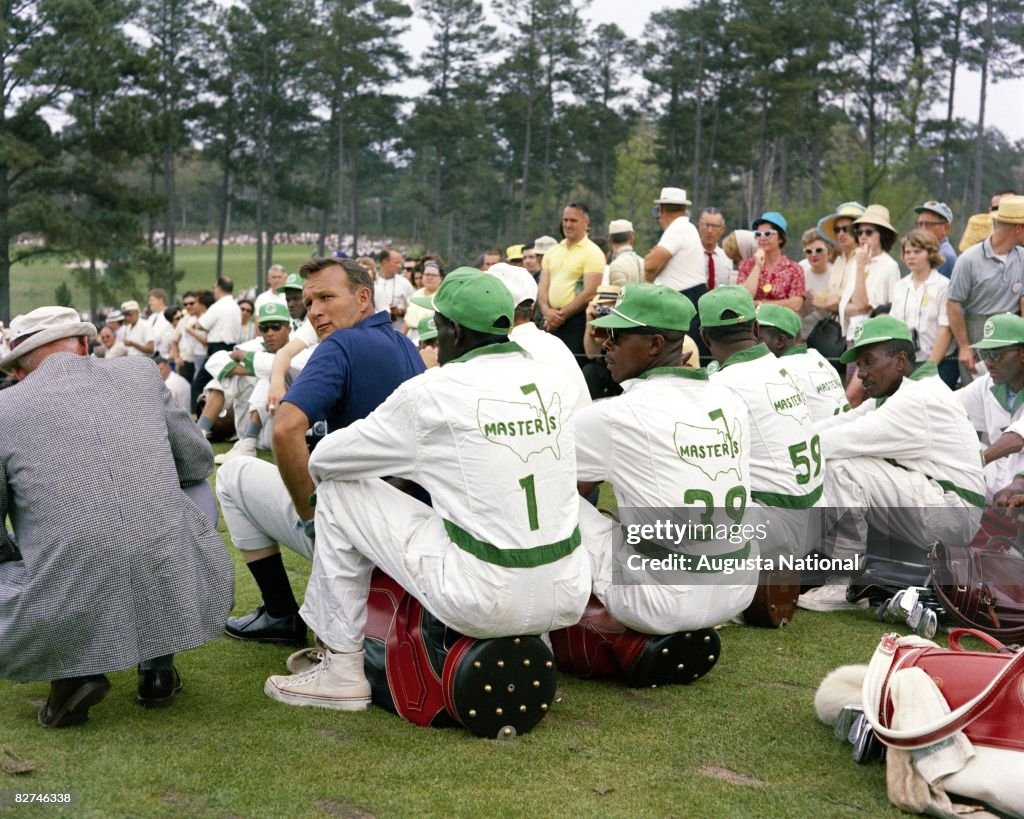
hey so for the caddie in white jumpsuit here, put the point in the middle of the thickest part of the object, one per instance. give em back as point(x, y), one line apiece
point(908, 462)
point(676, 448)
point(779, 327)
point(995, 401)
point(236, 373)
point(490, 436)
point(787, 468)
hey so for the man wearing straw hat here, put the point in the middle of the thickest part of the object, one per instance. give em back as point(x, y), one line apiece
point(988, 279)
point(80, 597)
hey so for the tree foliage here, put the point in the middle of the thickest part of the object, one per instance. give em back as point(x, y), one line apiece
point(127, 123)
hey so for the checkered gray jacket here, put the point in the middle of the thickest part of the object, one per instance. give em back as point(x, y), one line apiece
point(116, 564)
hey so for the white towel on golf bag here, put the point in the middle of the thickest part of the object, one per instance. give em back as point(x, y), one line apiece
point(918, 781)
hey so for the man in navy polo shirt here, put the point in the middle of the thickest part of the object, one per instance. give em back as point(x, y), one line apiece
point(359, 362)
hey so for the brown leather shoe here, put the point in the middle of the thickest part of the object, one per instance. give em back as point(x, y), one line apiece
point(70, 700)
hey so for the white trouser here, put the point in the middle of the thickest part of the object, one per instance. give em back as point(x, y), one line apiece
point(906, 505)
point(789, 532)
point(362, 524)
point(654, 607)
point(237, 391)
point(257, 508)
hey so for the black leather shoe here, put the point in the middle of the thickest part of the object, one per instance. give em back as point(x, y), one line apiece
point(260, 627)
point(158, 687)
point(70, 700)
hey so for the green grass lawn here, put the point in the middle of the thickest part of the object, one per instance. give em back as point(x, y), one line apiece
point(742, 741)
point(34, 284)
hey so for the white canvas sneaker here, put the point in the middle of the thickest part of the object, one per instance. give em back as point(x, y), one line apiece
point(337, 682)
point(244, 446)
point(830, 597)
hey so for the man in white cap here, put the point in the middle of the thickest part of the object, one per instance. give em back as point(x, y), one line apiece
point(677, 260)
point(500, 560)
point(533, 255)
point(542, 346)
point(78, 598)
point(626, 265)
point(937, 219)
point(138, 335)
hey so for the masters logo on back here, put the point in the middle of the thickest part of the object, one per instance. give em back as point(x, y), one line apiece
point(526, 427)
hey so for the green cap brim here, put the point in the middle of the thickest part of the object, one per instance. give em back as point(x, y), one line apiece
point(423, 301)
point(993, 343)
point(614, 321)
point(851, 355)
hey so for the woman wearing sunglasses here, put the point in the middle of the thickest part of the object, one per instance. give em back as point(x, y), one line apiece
point(875, 271)
point(837, 230)
point(769, 275)
point(817, 267)
point(249, 329)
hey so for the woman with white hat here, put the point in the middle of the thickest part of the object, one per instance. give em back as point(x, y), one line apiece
point(837, 230)
point(875, 271)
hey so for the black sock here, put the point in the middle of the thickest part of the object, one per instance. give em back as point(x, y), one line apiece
point(270, 576)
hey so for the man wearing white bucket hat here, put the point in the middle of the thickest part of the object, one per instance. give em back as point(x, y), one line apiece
point(78, 599)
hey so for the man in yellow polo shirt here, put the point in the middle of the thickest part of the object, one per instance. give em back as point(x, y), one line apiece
point(569, 278)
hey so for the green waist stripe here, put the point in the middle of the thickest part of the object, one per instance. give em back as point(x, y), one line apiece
point(972, 498)
point(787, 501)
point(648, 548)
point(512, 558)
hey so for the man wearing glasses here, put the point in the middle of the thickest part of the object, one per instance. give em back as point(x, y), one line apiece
point(937, 219)
point(694, 436)
point(995, 401)
point(988, 279)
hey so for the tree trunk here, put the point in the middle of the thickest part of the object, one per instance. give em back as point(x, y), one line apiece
point(698, 119)
point(979, 140)
point(225, 204)
point(169, 194)
point(954, 62)
point(5, 246)
point(94, 300)
point(340, 164)
point(355, 205)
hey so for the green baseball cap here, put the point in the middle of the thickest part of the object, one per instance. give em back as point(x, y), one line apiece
point(730, 298)
point(475, 300)
point(427, 329)
point(779, 317)
point(649, 305)
point(293, 282)
point(273, 311)
point(1004, 330)
point(875, 331)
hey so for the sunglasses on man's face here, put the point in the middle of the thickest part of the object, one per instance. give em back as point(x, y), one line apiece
point(813, 251)
point(764, 234)
point(845, 229)
point(616, 334)
point(996, 353)
point(865, 232)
